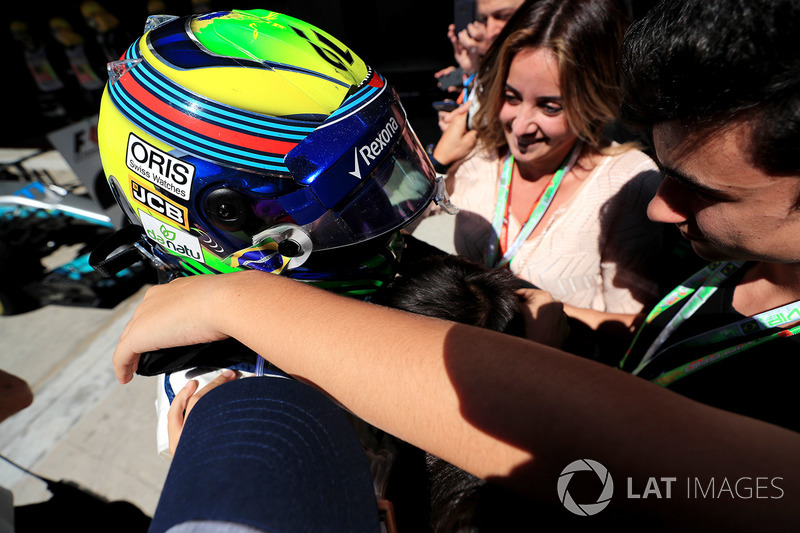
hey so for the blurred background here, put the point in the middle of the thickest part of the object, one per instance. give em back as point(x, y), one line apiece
point(54, 66)
point(405, 41)
point(83, 428)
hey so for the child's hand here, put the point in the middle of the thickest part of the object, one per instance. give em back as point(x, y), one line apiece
point(545, 320)
point(180, 313)
point(184, 402)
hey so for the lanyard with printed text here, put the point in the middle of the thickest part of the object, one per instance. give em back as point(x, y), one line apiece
point(701, 286)
point(667, 378)
point(500, 219)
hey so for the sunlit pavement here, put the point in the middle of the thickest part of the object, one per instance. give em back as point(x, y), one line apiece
point(83, 426)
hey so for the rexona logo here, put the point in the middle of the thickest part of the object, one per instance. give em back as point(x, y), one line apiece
point(585, 509)
point(171, 238)
point(159, 168)
point(148, 198)
point(373, 150)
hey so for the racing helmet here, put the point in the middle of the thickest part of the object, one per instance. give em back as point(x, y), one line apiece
point(253, 140)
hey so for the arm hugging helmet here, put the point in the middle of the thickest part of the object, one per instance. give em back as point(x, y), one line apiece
point(250, 139)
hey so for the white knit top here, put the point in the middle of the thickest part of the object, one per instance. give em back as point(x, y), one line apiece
point(594, 251)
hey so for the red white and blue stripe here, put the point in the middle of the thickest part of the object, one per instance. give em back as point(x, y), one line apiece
point(204, 128)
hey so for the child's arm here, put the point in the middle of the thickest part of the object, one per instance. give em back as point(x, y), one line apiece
point(495, 405)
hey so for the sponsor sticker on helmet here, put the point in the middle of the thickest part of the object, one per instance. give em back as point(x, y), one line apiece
point(159, 168)
point(372, 151)
point(147, 197)
point(171, 238)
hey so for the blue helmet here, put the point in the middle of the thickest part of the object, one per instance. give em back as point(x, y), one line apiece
point(252, 140)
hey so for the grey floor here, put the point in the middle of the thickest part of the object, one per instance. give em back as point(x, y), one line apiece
point(83, 426)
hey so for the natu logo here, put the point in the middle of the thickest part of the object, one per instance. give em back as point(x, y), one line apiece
point(170, 238)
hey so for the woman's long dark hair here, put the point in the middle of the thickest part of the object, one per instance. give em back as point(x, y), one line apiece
point(585, 37)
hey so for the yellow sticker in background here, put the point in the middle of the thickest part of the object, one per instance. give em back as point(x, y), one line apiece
point(158, 205)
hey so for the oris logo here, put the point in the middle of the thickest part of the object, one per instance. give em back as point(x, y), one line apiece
point(159, 168)
point(372, 151)
point(159, 204)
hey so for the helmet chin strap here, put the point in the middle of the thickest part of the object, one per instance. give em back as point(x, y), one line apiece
point(125, 248)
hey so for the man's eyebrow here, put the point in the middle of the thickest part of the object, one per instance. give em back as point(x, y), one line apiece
point(687, 181)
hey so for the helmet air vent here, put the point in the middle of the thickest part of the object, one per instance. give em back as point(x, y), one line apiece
point(154, 21)
point(116, 69)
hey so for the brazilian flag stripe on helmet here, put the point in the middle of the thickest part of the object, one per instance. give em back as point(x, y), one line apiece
point(164, 115)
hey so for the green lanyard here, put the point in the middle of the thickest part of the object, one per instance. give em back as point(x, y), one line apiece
point(701, 286)
point(675, 374)
point(501, 208)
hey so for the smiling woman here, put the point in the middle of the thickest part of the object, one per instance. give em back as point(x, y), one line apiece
point(536, 130)
point(543, 191)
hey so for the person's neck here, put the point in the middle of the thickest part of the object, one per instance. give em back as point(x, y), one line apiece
point(767, 285)
point(530, 173)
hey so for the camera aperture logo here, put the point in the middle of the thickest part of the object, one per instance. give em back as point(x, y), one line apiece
point(585, 509)
point(697, 488)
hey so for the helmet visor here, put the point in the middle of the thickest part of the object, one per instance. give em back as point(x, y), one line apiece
point(397, 191)
point(360, 175)
point(365, 167)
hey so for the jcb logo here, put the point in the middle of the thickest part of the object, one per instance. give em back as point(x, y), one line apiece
point(159, 204)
